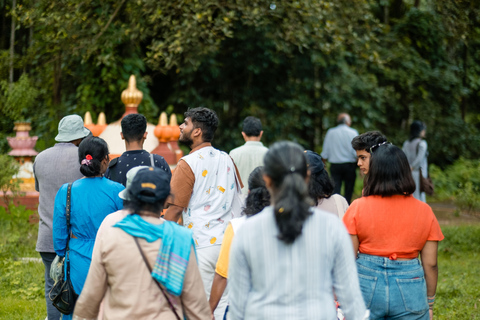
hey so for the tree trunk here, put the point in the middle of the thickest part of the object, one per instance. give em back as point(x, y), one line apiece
point(57, 76)
point(12, 43)
point(416, 4)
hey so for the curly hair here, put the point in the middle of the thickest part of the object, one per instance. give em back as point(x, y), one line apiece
point(204, 119)
point(258, 197)
point(367, 140)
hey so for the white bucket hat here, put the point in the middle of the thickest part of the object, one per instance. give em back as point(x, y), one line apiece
point(71, 128)
point(130, 176)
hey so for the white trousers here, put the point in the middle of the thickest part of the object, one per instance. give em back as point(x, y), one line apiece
point(207, 260)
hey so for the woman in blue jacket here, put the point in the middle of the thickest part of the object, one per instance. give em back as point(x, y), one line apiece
point(92, 199)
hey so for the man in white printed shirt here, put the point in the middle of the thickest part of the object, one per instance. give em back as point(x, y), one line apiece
point(205, 187)
point(250, 155)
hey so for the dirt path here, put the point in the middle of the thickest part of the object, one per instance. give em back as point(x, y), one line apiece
point(449, 214)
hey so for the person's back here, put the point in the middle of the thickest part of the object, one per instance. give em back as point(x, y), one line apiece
point(416, 150)
point(210, 205)
point(131, 293)
point(338, 151)
point(396, 226)
point(126, 252)
point(54, 167)
point(389, 230)
point(304, 268)
point(205, 192)
point(92, 199)
point(250, 155)
point(134, 133)
point(287, 260)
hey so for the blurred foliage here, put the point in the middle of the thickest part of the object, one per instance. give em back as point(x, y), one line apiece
point(458, 283)
point(459, 182)
point(10, 168)
point(294, 64)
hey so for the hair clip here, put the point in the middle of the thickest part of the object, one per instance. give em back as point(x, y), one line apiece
point(87, 160)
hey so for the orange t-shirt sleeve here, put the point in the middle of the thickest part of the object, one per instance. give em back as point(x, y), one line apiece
point(181, 185)
point(349, 219)
point(222, 262)
point(435, 231)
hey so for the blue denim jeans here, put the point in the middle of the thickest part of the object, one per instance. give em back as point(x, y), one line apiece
point(52, 312)
point(393, 289)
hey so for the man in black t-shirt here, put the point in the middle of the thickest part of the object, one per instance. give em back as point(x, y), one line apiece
point(134, 132)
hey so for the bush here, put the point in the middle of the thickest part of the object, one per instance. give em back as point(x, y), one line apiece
point(459, 182)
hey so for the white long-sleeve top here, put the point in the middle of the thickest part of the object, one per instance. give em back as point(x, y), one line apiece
point(269, 279)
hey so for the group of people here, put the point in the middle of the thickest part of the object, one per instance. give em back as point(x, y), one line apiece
point(146, 243)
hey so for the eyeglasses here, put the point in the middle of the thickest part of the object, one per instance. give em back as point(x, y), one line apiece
point(378, 145)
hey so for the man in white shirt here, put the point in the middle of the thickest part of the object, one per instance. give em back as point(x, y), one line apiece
point(250, 155)
point(337, 149)
point(205, 190)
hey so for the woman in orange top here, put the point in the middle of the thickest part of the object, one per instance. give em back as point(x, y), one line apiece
point(389, 229)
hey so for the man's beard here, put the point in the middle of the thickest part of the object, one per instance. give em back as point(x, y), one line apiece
point(186, 140)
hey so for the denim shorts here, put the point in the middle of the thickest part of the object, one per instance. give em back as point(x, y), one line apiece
point(393, 289)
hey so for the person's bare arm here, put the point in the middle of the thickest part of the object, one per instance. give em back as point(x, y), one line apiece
point(173, 213)
point(430, 268)
point(218, 287)
point(355, 244)
point(181, 188)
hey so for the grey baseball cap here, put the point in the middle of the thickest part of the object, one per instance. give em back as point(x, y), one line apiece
point(130, 175)
point(71, 128)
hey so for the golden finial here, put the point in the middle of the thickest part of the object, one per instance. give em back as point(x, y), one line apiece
point(173, 120)
point(163, 119)
point(102, 120)
point(87, 120)
point(131, 96)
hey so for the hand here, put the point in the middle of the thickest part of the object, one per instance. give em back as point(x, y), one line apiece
point(430, 312)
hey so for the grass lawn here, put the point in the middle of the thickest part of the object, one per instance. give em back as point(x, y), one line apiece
point(21, 282)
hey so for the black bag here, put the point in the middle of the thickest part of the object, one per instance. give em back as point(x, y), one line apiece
point(62, 294)
point(426, 184)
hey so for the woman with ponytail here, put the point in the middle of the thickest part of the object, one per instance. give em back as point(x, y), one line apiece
point(285, 260)
point(257, 199)
point(92, 199)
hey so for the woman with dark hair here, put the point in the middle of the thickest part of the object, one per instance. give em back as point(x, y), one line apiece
point(257, 199)
point(390, 228)
point(416, 150)
point(285, 260)
point(144, 267)
point(92, 199)
point(320, 187)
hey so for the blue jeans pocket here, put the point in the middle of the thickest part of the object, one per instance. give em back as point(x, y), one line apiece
point(367, 286)
point(414, 294)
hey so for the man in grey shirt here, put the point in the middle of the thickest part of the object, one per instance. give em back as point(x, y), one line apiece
point(54, 167)
point(337, 149)
point(250, 155)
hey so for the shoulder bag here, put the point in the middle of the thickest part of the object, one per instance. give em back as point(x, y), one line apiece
point(155, 280)
point(62, 294)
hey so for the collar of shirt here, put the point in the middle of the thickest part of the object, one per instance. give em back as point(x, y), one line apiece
point(134, 151)
point(200, 146)
point(254, 143)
